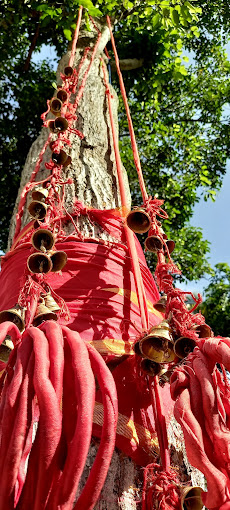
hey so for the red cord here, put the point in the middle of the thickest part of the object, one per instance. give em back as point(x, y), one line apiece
point(129, 234)
point(131, 130)
point(75, 39)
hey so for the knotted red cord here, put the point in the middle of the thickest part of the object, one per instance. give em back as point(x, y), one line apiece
point(23, 198)
point(161, 488)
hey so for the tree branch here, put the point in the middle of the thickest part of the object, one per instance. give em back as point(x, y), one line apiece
point(128, 64)
point(32, 47)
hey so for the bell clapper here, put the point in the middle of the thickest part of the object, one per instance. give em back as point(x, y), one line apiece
point(41, 266)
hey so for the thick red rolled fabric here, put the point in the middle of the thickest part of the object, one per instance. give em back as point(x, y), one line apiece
point(200, 392)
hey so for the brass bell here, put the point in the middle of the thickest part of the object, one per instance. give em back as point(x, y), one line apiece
point(43, 240)
point(136, 348)
point(191, 498)
point(51, 303)
point(157, 345)
point(15, 315)
point(39, 263)
point(153, 243)
point(5, 349)
point(170, 245)
point(59, 158)
point(55, 106)
point(59, 259)
point(39, 194)
point(36, 224)
point(43, 314)
point(150, 367)
point(203, 330)
point(138, 220)
point(51, 126)
point(37, 209)
point(67, 162)
point(183, 346)
point(68, 71)
point(60, 124)
point(62, 95)
point(160, 306)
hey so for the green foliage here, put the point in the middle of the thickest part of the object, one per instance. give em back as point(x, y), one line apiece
point(177, 99)
point(216, 305)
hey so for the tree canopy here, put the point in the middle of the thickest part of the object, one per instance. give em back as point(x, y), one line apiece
point(216, 304)
point(177, 95)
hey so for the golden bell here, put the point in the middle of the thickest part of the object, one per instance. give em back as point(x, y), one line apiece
point(43, 240)
point(37, 209)
point(55, 106)
point(67, 162)
point(191, 498)
point(150, 367)
point(160, 306)
point(183, 346)
point(170, 245)
point(51, 303)
point(39, 194)
point(62, 95)
point(60, 124)
point(43, 314)
point(59, 158)
point(51, 126)
point(138, 220)
point(5, 350)
point(59, 259)
point(157, 345)
point(39, 263)
point(153, 244)
point(136, 348)
point(15, 315)
point(68, 71)
point(37, 224)
point(203, 330)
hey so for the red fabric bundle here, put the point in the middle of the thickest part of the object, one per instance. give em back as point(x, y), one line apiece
point(98, 286)
point(51, 382)
point(202, 408)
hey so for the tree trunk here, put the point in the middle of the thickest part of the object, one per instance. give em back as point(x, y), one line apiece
point(94, 175)
point(93, 167)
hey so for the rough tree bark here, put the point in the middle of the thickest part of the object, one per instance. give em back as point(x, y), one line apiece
point(93, 171)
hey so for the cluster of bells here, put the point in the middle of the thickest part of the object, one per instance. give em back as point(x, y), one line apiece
point(60, 124)
point(139, 221)
point(158, 347)
point(45, 259)
point(46, 310)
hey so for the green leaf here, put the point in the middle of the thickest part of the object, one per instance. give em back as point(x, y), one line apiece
point(68, 34)
point(155, 20)
point(175, 17)
point(93, 11)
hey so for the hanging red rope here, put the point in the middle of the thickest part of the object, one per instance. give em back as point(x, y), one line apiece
point(131, 130)
point(129, 234)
